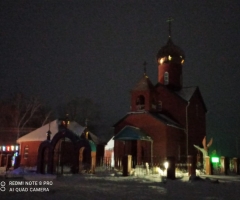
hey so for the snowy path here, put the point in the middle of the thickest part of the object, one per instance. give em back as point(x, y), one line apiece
point(105, 186)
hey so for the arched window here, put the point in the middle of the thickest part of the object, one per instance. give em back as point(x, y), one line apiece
point(140, 103)
point(166, 78)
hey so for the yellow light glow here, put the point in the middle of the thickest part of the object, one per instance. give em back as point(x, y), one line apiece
point(169, 57)
point(166, 164)
point(182, 61)
point(162, 60)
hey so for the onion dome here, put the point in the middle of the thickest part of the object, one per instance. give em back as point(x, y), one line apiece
point(170, 53)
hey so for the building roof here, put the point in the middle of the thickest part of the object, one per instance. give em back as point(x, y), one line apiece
point(170, 49)
point(40, 133)
point(186, 92)
point(132, 133)
point(143, 84)
point(166, 120)
point(161, 117)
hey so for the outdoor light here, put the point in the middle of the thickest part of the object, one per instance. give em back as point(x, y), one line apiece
point(12, 147)
point(4, 148)
point(166, 164)
point(215, 159)
point(16, 148)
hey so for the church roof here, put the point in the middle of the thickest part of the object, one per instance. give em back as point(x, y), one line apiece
point(161, 117)
point(132, 133)
point(186, 93)
point(166, 120)
point(170, 49)
point(143, 84)
point(40, 133)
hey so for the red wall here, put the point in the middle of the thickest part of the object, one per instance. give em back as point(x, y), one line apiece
point(165, 139)
point(172, 105)
point(196, 123)
point(31, 159)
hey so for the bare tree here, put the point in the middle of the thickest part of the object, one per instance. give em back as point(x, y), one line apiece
point(20, 112)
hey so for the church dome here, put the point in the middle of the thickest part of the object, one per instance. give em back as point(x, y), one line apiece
point(170, 53)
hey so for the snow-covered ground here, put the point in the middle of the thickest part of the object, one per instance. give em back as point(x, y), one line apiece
point(110, 184)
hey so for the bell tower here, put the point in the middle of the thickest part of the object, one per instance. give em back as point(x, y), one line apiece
point(142, 95)
point(170, 59)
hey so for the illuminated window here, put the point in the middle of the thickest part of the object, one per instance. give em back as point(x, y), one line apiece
point(166, 78)
point(4, 148)
point(16, 148)
point(26, 149)
point(12, 148)
point(8, 148)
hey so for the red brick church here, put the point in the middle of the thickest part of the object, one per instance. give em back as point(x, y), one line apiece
point(166, 119)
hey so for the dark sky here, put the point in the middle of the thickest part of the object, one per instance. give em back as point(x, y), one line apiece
point(96, 49)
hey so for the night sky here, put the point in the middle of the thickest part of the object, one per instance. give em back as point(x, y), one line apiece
point(95, 49)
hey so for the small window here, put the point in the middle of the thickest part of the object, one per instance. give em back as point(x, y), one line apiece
point(166, 78)
point(25, 152)
point(140, 103)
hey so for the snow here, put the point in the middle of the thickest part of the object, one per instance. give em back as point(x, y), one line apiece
point(110, 184)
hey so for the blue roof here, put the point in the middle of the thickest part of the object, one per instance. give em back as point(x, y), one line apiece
point(132, 133)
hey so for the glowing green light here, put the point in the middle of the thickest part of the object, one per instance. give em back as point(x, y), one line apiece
point(215, 159)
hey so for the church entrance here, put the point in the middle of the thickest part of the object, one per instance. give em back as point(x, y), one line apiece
point(63, 153)
point(62, 159)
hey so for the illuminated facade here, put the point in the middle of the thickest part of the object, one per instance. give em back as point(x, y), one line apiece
point(172, 116)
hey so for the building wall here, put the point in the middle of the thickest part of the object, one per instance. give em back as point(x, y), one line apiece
point(165, 139)
point(29, 153)
point(175, 73)
point(172, 105)
point(192, 117)
point(196, 123)
point(149, 100)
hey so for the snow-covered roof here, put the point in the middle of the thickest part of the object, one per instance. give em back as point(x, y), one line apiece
point(110, 144)
point(40, 133)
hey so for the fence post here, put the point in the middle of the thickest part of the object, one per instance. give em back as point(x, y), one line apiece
point(191, 162)
point(236, 165)
point(127, 162)
point(171, 168)
point(208, 166)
